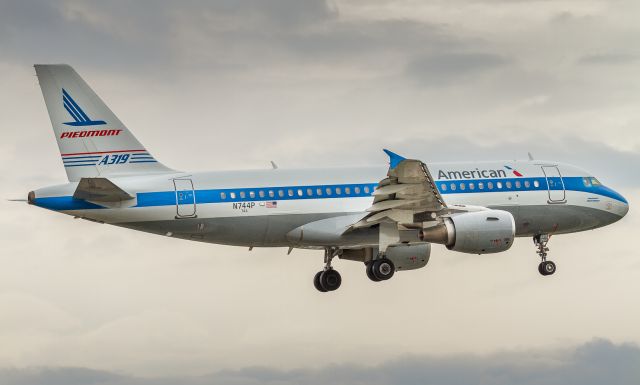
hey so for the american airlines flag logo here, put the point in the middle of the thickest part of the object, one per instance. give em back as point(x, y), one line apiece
point(272, 205)
point(513, 170)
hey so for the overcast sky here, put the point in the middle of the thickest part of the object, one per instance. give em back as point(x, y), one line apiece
point(233, 84)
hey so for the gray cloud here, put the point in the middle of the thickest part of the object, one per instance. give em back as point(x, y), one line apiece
point(598, 362)
point(608, 58)
point(231, 35)
point(448, 68)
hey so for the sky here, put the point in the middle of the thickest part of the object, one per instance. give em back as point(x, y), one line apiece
point(209, 85)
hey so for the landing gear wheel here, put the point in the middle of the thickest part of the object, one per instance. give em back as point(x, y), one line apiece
point(316, 282)
point(370, 272)
point(330, 280)
point(547, 268)
point(383, 269)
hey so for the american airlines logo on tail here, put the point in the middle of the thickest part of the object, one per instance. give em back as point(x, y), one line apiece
point(79, 116)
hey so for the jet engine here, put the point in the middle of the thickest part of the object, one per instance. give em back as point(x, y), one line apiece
point(478, 232)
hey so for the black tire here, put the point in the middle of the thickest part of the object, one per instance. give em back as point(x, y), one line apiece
point(383, 269)
point(370, 272)
point(316, 282)
point(540, 269)
point(549, 268)
point(330, 280)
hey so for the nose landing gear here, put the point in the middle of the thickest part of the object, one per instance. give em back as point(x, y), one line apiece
point(545, 267)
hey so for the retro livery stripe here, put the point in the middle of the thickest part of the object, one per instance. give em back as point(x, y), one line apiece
point(103, 158)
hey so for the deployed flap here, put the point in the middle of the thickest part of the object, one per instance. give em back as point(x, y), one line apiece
point(406, 195)
point(100, 190)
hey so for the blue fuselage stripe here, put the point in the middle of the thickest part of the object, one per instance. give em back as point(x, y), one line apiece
point(280, 193)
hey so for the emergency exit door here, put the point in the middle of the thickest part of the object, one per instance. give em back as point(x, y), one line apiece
point(185, 198)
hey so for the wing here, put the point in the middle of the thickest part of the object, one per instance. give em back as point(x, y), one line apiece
point(407, 196)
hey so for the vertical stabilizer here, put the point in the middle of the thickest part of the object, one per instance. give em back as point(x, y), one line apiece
point(93, 142)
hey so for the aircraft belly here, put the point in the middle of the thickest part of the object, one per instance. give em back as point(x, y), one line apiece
point(559, 219)
point(259, 231)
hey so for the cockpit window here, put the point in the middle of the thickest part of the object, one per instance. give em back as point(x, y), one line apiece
point(595, 182)
point(587, 182)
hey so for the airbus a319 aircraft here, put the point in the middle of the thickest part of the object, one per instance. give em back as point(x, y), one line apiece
point(385, 218)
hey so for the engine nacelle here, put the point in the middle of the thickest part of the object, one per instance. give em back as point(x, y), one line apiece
point(409, 257)
point(478, 232)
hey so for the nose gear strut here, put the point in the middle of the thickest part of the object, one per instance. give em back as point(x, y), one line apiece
point(545, 267)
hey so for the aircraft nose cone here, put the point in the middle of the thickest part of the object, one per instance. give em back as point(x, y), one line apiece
point(620, 206)
point(624, 209)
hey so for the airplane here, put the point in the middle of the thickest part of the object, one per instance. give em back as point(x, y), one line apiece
point(386, 217)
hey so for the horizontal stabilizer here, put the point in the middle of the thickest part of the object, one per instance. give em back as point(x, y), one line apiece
point(100, 190)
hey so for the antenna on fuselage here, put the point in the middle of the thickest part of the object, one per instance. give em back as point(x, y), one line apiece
point(530, 156)
point(274, 165)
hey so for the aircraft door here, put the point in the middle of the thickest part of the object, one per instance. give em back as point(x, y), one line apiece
point(185, 198)
point(555, 184)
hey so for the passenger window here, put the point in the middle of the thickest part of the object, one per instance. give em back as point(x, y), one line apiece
point(490, 185)
point(290, 192)
point(261, 193)
point(527, 184)
point(271, 193)
point(462, 186)
point(472, 186)
point(443, 187)
point(518, 184)
point(498, 184)
point(347, 190)
point(280, 193)
point(243, 194)
point(223, 195)
point(453, 187)
point(356, 190)
point(328, 190)
point(319, 191)
point(232, 195)
point(299, 192)
point(252, 194)
point(536, 184)
point(480, 185)
point(508, 184)
point(309, 192)
point(338, 191)
point(366, 189)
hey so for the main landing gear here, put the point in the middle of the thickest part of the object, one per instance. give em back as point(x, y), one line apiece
point(380, 269)
point(328, 279)
point(545, 267)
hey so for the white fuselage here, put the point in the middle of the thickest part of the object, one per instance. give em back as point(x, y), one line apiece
point(263, 207)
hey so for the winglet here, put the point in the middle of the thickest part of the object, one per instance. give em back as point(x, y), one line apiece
point(394, 158)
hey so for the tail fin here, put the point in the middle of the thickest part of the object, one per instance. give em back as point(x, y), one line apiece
point(92, 140)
